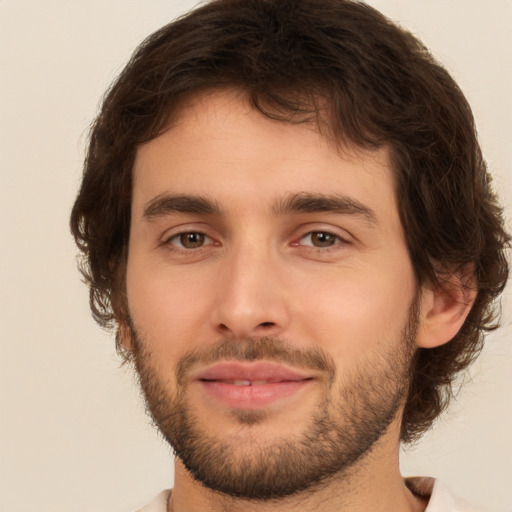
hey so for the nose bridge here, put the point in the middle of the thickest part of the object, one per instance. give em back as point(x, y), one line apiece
point(250, 301)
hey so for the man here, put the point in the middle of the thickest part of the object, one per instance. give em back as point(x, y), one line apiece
point(286, 214)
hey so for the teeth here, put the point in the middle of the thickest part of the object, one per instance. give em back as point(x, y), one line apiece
point(242, 382)
point(248, 382)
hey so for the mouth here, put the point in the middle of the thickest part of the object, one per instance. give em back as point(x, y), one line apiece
point(251, 385)
point(245, 382)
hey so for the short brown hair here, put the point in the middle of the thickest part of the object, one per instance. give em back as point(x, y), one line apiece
point(365, 81)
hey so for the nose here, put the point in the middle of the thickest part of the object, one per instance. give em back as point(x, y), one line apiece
point(250, 300)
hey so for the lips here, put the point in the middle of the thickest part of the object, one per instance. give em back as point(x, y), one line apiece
point(245, 382)
point(253, 371)
point(250, 385)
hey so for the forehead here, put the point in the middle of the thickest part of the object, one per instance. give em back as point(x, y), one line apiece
point(220, 146)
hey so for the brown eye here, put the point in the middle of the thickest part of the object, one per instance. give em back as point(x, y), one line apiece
point(191, 240)
point(321, 239)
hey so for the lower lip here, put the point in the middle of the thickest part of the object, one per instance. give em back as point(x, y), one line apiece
point(249, 397)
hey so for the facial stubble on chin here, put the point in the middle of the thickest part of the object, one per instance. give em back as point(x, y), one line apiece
point(346, 423)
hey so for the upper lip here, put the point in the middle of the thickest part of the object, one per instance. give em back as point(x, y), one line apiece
point(251, 371)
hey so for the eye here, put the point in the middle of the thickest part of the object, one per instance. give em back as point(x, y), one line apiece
point(189, 240)
point(320, 239)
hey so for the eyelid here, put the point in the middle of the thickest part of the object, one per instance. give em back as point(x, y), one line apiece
point(195, 232)
point(341, 234)
point(337, 238)
point(182, 229)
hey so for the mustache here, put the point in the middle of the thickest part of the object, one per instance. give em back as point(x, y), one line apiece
point(277, 350)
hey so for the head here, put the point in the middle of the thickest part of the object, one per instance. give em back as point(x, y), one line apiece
point(362, 83)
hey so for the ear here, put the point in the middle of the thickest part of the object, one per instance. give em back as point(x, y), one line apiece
point(445, 308)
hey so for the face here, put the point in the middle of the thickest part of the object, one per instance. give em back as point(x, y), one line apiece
point(271, 297)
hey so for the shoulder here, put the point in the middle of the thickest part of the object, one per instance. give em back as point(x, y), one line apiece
point(159, 503)
point(440, 499)
point(443, 501)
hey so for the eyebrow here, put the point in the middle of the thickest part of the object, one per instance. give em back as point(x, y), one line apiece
point(168, 204)
point(315, 203)
point(303, 202)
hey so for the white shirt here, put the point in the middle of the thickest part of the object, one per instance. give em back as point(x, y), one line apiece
point(441, 500)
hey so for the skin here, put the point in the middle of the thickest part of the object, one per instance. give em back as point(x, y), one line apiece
point(259, 272)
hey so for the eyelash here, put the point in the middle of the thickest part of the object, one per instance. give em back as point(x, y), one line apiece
point(169, 241)
point(337, 241)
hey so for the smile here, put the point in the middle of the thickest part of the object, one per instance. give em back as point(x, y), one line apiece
point(246, 382)
point(251, 385)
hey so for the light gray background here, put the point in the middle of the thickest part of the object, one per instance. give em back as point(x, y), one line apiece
point(73, 435)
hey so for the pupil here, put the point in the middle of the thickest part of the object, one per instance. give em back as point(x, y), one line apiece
point(192, 240)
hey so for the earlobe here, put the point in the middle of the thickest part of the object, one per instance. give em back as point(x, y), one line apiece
point(444, 309)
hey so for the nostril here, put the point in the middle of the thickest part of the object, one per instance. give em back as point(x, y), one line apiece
point(266, 324)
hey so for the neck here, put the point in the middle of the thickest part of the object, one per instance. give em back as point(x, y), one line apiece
point(374, 483)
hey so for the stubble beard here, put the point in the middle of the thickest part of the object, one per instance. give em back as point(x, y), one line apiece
point(352, 415)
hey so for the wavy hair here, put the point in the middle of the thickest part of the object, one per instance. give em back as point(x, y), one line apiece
point(364, 81)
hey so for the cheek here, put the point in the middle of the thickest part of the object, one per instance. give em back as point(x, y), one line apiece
point(353, 313)
point(167, 307)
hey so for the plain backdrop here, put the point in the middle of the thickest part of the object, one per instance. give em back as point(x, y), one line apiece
point(73, 433)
